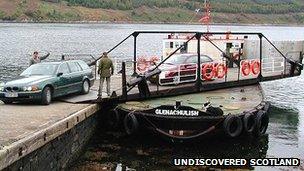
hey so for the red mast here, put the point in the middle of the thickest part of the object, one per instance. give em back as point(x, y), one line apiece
point(206, 18)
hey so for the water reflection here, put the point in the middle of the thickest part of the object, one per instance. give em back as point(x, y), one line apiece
point(286, 128)
point(150, 152)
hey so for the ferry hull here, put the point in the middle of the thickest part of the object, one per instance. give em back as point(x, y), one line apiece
point(187, 122)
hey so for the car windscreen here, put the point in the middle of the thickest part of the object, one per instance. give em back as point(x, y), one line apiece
point(184, 59)
point(204, 59)
point(40, 69)
point(177, 59)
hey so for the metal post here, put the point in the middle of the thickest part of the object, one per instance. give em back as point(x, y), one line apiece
point(124, 80)
point(198, 80)
point(226, 63)
point(95, 72)
point(301, 57)
point(239, 66)
point(301, 61)
point(261, 57)
point(135, 34)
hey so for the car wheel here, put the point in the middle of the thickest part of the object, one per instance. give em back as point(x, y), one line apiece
point(46, 96)
point(7, 101)
point(85, 87)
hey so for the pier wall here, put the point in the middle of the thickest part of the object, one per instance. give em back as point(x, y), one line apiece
point(52, 148)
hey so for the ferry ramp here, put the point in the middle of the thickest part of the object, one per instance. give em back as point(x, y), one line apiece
point(36, 137)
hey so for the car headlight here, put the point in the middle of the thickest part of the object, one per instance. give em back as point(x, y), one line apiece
point(27, 88)
point(31, 88)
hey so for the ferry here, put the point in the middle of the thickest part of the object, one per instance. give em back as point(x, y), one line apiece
point(210, 93)
point(204, 83)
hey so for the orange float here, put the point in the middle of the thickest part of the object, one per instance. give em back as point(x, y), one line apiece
point(221, 70)
point(142, 64)
point(255, 67)
point(154, 60)
point(208, 71)
point(246, 68)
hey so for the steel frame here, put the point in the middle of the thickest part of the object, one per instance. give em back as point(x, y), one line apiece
point(297, 65)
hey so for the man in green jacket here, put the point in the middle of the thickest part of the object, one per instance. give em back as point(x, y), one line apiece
point(105, 70)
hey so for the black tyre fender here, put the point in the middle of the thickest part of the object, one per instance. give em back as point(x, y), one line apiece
point(216, 111)
point(233, 126)
point(249, 122)
point(44, 100)
point(113, 119)
point(130, 123)
point(262, 120)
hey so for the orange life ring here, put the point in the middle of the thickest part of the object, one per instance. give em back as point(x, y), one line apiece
point(141, 67)
point(142, 64)
point(154, 60)
point(221, 70)
point(255, 67)
point(246, 68)
point(208, 75)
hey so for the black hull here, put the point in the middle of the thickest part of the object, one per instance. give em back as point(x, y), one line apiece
point(192, 127)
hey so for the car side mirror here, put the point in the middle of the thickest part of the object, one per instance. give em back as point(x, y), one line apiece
point(59, 74)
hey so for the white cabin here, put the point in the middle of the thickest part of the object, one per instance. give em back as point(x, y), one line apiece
point(235, 45)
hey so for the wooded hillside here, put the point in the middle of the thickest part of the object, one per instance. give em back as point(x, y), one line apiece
point(223, 11)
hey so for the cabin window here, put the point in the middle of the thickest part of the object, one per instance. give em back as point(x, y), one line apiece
point(171, 45)
point(167, 45)
point(184, 49)
point(229, 45)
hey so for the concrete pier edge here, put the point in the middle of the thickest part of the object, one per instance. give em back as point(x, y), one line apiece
point(21, 148)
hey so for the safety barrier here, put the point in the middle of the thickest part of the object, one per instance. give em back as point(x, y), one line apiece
point(182, 73)
point(213, 70)
point(248, 67)
point(273, 65)
point(143, 63)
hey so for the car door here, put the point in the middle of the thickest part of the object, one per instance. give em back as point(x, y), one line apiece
point(76, 76)
point(86, 70)
point(190, 66)
point(63, 83)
